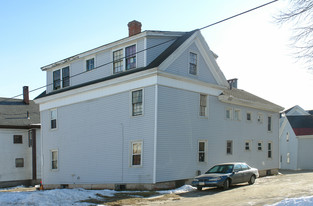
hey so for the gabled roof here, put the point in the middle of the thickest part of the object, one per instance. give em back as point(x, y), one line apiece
point(296, 111)
point(241, 97)
point(155, 63)
point(14, 113)
point(302, 124)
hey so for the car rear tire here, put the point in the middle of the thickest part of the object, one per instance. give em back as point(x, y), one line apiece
point(199, 188)
point(252, 180)
point(226, 184)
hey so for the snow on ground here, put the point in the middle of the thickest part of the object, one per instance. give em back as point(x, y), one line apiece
point(301, 201)
point(63, 196)
point(73, 196)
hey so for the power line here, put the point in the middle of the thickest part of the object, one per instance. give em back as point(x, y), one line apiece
point(218, 22)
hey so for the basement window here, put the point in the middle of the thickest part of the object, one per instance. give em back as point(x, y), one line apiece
point(18, 139)
point(19, 162)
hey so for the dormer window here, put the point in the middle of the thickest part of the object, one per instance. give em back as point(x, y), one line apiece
point(118, 61)
point(130, 57)
point(56, 80)
point(90, 64)
point(65, 78)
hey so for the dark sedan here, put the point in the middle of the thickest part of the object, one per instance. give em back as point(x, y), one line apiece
point(224, 175)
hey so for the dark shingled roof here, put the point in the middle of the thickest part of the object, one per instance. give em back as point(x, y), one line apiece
point(302, 124)
point(14, 113)
point(155, 63)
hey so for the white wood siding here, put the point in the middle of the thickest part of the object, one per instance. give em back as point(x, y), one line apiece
point(10, 151)
point(180, 128)
point(93, 141)
point(181, 66)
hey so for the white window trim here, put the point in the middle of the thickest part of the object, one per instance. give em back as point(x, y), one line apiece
point(261, 146)
point(56, 122)
point(231, 113)
point(232, 147)
point(124, 58)
point(94, 63)
point(249, 142)
point(205, 151)
point(239, 114)
point(61, 76)
point(131, 102)
point(197, 68)
point(271, 129)
point(58, 163)
point(269, 150)
point(131, 154)
point(207, 105)
point(248, 112)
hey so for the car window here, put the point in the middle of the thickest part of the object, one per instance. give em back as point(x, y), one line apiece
point(245, 167)
point(221, 169)
point(237, 168)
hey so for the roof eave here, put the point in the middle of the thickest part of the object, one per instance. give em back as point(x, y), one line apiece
point(256, 105)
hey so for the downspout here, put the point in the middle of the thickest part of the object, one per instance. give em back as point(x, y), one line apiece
point(155, 132)
point(34, 153)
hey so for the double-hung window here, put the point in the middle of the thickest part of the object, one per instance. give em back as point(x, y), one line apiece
point(192, 63)
point(130, 57)
point(237, 114)
point(56, 80)
point(136, 155)
point(269, 123)
point(66, 77)
point(203, 105)
point(90, 64)
point(137, 108)
point(229, 113)
point(53, 118)
point(259, 146)
point(118, 61)
point(269, 150)
point(54, 159)
point(249, 116)
point(229, 147)
point(247, 145)
point(201, 151)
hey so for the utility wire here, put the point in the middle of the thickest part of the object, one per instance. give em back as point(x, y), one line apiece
point(218, 22)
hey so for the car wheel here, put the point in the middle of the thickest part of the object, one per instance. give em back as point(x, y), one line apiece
point(252, 180)
point(199, 188)
point(226, 184)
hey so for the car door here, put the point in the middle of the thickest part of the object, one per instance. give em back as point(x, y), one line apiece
point(246, 173)
point(237, 174)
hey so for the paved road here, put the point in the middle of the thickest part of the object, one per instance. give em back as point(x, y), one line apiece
point(266, 190)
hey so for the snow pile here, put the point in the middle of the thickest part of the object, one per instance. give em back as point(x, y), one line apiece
point(183, 189)
point(301, 201)
point(65, 196)
point(51, 197)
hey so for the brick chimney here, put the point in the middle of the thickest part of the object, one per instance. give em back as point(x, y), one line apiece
point(25, 95)
point(134, 27)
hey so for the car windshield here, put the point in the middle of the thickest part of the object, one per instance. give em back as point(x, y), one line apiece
point(221, 169)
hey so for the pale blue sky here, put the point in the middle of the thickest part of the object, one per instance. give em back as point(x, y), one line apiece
point(252, 48)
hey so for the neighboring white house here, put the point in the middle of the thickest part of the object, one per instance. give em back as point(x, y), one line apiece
point(296, 139)
point(149, 111)
point(19, 142)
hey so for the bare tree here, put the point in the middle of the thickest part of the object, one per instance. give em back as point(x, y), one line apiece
point(300, 14)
